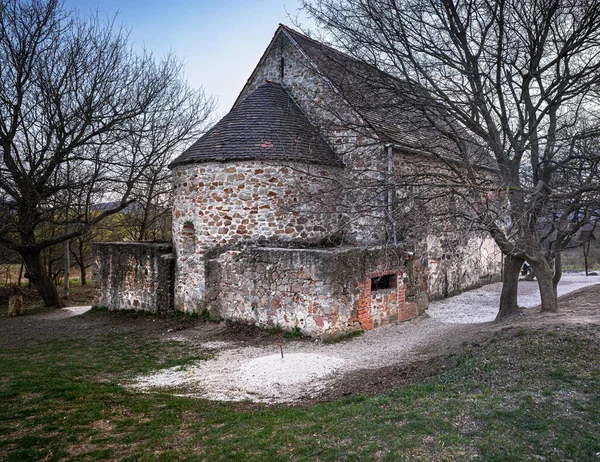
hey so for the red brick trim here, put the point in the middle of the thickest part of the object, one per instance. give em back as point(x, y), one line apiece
point(399, 311)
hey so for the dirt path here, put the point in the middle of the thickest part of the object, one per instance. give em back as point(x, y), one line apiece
point(248, 364)
point(311, 369)
point(481, 305)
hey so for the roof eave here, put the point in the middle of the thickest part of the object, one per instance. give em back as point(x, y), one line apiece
point(421, 152)
point(330, 163)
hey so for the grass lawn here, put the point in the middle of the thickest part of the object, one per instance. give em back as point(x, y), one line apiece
point(521, 395)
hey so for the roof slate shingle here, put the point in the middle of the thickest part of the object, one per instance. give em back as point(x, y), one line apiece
point(387, 104)
point(267, 125)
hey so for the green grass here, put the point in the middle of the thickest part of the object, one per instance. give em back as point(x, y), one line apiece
point(523, 395)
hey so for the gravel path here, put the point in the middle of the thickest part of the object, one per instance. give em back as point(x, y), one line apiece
point(66, 312)
point(481, 305)
point(259, 374)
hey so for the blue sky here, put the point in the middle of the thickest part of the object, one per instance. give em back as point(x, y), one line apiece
point(219, 41)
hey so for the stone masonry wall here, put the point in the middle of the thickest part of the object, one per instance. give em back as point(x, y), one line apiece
point(323, 292)
point(457, 258)
point(458, 263)
point(357, 145)
point(134, 275)
point(225, 203)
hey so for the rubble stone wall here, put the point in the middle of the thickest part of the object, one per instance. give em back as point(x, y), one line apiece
point(459, 263)
point(322, 292)
point(252, 200)
point(225, 203)
point(456, 257)
point(356, 145)
point(134, 275)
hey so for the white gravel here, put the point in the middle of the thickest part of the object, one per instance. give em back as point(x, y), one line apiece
point(240, 374)
point(67, 312)
point(259, 374)
point(481, 305)
point(291, 369)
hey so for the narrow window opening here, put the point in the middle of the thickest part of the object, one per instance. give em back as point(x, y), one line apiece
point(388, 281)
point(282, 67)
point(188, 238)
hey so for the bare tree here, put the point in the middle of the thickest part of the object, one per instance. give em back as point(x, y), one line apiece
point(73, 94)
point(509, 84)
point(149, 217)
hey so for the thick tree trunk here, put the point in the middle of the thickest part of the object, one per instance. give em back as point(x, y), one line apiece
point(39, 278)
point(510, 285)
point(545, 274)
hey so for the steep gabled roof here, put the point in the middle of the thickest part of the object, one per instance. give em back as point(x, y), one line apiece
point(369, 91)
point(267, 125)
point(384, 102)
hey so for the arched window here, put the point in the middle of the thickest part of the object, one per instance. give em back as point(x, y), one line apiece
point(188, 238)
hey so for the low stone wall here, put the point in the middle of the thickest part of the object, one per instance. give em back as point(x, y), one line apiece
point(134, 275)
point(322, 292)
point(458, 263)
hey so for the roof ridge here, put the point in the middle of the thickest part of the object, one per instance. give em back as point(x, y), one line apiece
point(317, 42)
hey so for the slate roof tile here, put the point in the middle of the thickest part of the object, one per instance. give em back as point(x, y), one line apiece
point(386, 103)
point(267, 125)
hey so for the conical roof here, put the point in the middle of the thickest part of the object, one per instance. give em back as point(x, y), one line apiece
point(267, 125)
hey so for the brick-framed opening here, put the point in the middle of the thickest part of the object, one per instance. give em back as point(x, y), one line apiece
point(382, 300)
point(387, 281)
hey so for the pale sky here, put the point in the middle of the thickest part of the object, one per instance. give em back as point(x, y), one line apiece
point(219, 41)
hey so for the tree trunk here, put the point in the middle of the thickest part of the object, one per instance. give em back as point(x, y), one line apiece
point(40, 279)
point(20, 274)
point(15, 305)
point(557, 272)
point(147, 207)
point(82, 273)
point(80, 259)
point(545, 275)
point(586, 251)
point(67, 276)
point(510, 285)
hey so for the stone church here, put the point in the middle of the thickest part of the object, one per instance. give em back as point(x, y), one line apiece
point(284, 213)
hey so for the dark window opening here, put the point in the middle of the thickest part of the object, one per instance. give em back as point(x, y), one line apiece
point(389, 281)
